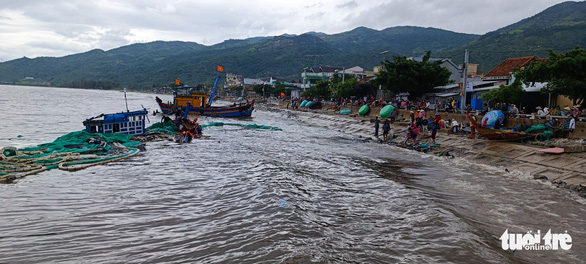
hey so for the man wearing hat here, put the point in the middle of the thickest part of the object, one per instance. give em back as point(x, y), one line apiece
point(540, 111)
point(514, 110)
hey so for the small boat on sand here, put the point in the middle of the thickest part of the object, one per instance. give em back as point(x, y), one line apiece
point(495, 134)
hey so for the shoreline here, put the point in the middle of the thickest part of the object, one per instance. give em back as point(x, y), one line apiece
point(567, 170)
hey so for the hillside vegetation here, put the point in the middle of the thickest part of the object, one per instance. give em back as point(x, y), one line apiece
point(138, 66)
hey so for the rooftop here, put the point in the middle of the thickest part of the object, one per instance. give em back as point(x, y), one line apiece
point(507, 66)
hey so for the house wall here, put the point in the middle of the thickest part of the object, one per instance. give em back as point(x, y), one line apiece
point(456, 75)
point(563, 101)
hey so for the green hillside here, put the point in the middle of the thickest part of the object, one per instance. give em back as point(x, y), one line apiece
point(138, 66)
point(561, 27)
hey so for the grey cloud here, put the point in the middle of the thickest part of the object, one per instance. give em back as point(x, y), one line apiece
point(75, 24)
point(350, 4)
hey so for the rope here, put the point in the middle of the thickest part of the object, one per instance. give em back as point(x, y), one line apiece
point(71, 166)
point(70, 152)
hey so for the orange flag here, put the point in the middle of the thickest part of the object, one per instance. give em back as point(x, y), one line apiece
point(177, 82)
point(220, 68)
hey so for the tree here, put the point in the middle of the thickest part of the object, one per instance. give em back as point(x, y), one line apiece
point(321, 89)
point(258, 88)
point(235, 89)
point(278, 89)
point(404, 75)
point(344, 88)
point(506, 93)
point(565, 74)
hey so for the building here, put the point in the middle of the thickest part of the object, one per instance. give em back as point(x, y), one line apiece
point(502, 73)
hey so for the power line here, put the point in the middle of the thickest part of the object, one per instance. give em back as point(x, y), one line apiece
point(481, 52)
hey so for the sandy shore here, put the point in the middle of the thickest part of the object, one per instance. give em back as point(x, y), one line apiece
point(567, 170)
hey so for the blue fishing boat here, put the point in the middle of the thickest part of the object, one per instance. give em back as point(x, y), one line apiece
point(129, 122)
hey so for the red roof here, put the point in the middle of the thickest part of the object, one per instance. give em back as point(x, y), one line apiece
point(507, 66)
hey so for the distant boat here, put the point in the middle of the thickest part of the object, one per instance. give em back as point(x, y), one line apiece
point(201, 104)
point(198, 106)
point(129, 122)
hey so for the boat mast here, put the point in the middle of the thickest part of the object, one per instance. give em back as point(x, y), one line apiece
point(126, 100)
point(214, 91)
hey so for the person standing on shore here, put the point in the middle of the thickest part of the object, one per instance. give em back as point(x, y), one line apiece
point(472, 123)
point(437, 117)
point(376, 125)
point(414, 132)
point(434, 128)
point(386, 129)
point(572, 126)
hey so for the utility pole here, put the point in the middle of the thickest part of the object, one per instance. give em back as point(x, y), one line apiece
point(465, 84)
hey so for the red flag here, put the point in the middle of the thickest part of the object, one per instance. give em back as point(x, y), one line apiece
point(220, 68)
point(177, 82)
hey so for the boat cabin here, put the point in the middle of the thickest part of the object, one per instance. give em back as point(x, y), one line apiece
point(196, 97)
point(132, 123)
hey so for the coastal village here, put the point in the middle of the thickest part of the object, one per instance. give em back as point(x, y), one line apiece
point(182, 141)
point(547, 125)
point(477, 83)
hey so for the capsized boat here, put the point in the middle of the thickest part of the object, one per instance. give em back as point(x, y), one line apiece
point(201, 104)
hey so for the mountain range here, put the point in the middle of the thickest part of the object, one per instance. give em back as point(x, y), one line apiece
point(138, 66)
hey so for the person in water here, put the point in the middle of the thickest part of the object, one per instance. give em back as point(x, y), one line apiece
point(386, 129)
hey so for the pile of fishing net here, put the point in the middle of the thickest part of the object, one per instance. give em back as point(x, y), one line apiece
point(73, 151)
point(167, 127)
point(536, 128)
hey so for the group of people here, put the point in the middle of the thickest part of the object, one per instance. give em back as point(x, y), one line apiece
point(188, 129)
point(557, 111)
point(386, 128)
point(420, 124)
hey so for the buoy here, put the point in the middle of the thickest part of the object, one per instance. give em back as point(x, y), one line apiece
point(345, 112)
point(363, 110)
point(492, 117)
point(386, 111)
point(308, 104)
point(303, 103)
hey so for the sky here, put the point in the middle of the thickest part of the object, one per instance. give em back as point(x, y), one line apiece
point(55, 28)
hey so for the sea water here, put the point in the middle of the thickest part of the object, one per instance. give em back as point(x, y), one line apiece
point(305, 194)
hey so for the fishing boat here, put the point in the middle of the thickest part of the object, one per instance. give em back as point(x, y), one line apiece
point(495, 134)
point(201, 104)
point(129, 122)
